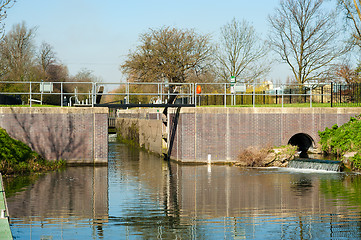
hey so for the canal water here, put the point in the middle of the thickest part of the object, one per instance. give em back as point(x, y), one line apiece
point(140, 196)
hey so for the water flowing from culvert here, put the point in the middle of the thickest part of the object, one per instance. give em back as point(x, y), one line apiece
point(315, 164)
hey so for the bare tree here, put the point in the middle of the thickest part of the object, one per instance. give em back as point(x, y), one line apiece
point(17, 52)
point(306, 37)
point(353, 13)
point(346, 73)
point(46, 56)
point(241, 52)
point(4, 5)
point(168, 54)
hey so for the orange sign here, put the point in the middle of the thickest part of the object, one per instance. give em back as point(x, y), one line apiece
point(199, 89)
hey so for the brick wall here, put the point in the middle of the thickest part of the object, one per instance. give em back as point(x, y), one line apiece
point(223, 133)
point(77, 135)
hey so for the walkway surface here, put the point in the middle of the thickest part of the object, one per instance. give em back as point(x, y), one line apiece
point(5, 232)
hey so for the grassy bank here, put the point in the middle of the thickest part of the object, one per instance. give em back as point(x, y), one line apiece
point(344, 140)
point(18, 158)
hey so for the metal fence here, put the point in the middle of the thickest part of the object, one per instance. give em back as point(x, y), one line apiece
point(346, 95)
point(199, 94)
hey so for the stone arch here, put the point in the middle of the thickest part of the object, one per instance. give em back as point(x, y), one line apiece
point(302, 140)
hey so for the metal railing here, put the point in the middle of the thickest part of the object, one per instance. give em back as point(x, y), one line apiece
point(199, 94)
point(228, 94)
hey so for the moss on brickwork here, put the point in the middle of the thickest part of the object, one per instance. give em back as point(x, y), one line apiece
point(18, 158)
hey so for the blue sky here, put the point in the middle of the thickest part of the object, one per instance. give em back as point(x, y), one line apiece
point(97, 35)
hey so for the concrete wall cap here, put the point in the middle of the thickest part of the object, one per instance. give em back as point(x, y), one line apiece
point(53, 110)
point(272, 110)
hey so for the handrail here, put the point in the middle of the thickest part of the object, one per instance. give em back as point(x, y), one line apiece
point(224, 93)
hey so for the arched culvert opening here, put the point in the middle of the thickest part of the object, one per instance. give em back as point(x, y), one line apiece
point(302, 140)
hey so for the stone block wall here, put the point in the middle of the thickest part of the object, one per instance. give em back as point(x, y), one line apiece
point(76, 135)
point(142, 127)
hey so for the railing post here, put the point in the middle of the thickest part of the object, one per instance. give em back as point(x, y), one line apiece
point(195, 94)
point(254, 95)
point(61, 95)
point(30, 95)
point(331, 94)
point(225, 94)
point(310, 97)
point(193, 90)
point(93, 94)
point(127, 88)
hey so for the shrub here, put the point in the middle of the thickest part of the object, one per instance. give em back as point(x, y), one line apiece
point(253, 156)
point(341, 139)
point(17, 158)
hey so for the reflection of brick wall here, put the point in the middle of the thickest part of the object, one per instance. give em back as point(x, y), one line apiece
point(80, 193)
point(219, 191)
point(224, 132)
point(77, 135)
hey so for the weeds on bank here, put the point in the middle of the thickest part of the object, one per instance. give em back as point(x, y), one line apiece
point(253, 156)
point(339, 140)
point(18, 158)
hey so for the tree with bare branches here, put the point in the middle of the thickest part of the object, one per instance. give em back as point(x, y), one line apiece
point(17, 51)
point(4, 5)
point(46, 56)
point(306, 37)
point(169, 54)
point(241, 53)
point(353, 13)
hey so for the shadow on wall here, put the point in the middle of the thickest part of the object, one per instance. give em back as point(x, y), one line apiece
point(53, 136)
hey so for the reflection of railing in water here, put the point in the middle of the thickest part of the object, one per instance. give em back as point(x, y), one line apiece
point(315, 164)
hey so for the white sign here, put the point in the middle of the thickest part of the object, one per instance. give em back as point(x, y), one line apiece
point(240, 87)
point(46, 87)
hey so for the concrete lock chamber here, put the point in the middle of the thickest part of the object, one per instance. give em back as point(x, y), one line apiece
point(302, 140)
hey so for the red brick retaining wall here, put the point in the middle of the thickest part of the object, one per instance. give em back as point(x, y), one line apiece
point(77, 135)
point(221, 133)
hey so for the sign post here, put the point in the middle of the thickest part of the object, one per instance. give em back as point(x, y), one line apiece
point(233, 82)
point(45, 87)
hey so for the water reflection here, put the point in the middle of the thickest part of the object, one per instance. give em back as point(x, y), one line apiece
point(228, 202)
point(149, 198)
point(77, 194)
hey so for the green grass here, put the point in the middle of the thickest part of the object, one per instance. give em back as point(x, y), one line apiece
point(300, 105)
point(18, 158)
point(303, 105)
point(33, 105)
